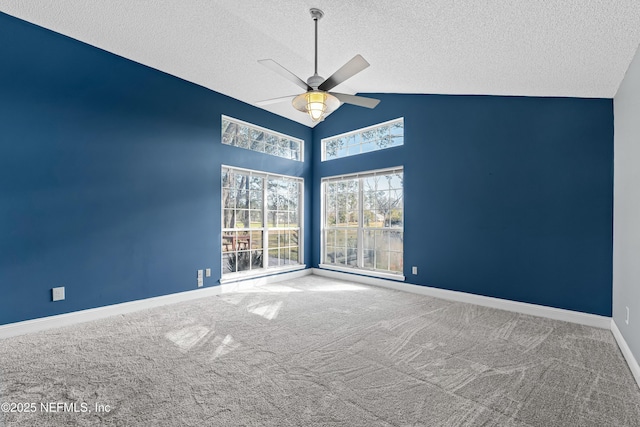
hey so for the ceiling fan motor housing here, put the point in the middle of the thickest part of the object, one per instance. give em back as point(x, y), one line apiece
point(315, 81)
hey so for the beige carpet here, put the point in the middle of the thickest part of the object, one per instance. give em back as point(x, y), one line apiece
point(320, 352)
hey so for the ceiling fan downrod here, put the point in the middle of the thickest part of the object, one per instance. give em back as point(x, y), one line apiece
point(315, 80)
point(316, 14)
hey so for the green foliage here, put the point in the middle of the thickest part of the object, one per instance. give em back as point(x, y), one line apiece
point(396, 217)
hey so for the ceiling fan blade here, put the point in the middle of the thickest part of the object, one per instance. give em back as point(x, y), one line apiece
point(360, 101)
point(274, 66)
point(348, 70)
point(275, 100)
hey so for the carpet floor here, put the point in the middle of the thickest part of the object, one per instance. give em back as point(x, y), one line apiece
point(318, 352)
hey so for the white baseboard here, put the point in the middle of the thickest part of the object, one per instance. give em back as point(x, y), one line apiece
point(626, 352)
point(502, 304)
point(51, 322)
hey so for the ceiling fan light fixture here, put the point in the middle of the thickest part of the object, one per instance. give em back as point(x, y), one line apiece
point(316, 103)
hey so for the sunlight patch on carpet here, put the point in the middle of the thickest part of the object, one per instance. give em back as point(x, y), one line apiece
point(186, 338)
point(268, 311)
point(225, 346)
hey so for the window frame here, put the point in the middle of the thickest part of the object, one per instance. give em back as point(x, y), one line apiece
point(354, 134)
point(359, 268)
point(265, 229)
point(267, 131)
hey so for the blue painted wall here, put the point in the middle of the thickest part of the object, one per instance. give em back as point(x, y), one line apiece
point(110, 175)
point(110, 183)
point(509, 197)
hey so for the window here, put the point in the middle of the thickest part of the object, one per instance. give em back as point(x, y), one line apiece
point(363, 224)
point(260, 220)
point(378, 137)
point(252, 137)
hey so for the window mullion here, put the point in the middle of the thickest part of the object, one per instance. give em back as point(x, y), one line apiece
point(265, 227)
point(360, 244)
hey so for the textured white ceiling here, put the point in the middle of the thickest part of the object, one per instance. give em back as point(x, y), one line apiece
point(579, 48)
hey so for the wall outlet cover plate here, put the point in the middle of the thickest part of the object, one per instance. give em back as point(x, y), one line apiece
point(57, 294)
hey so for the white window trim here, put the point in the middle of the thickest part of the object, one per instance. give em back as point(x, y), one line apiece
point(360, 174)
point(270, 131)
point(265, 271)
point(323, 154)
point(323, 248)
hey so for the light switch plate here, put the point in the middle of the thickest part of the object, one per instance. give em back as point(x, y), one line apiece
point(207, 272)
point(200, 274)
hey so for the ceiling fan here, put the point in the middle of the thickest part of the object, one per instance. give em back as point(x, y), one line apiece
point(317, 101)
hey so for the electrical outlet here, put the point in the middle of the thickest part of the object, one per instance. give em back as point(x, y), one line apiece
point(57, 294)
point(200, 278)
point(207, 272)
point(627, 319)
point(414, 270)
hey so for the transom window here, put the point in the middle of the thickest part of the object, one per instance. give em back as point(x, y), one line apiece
point(260, 220)
point(363, 224)
point(377, 137)
point(251, 137)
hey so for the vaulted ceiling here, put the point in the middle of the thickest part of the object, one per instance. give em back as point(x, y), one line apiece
point(578, 48)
